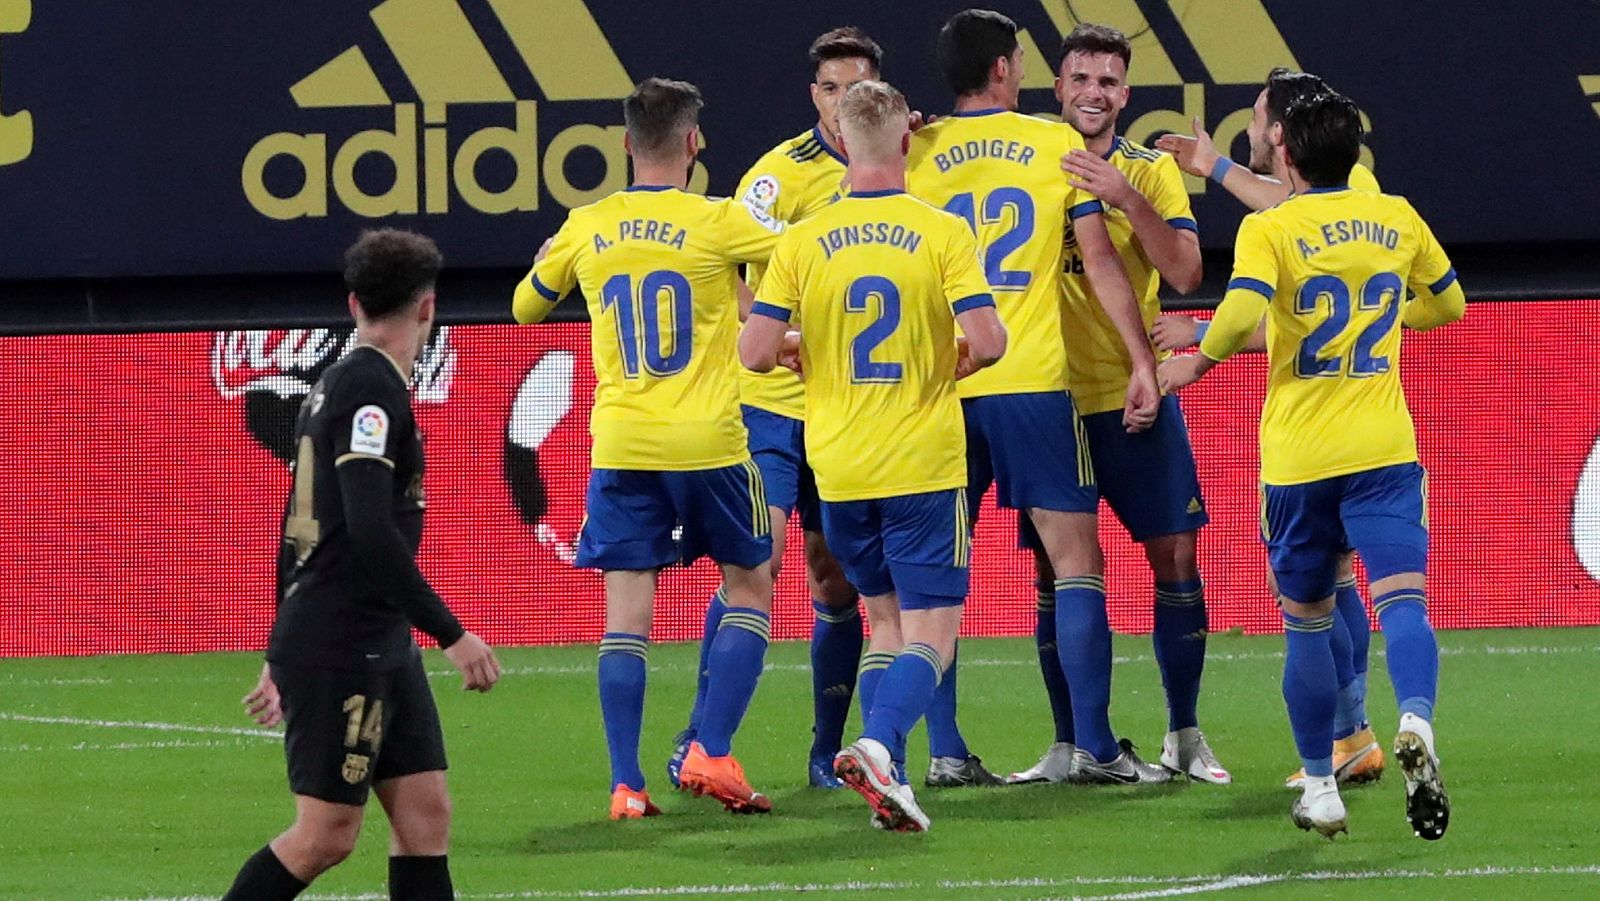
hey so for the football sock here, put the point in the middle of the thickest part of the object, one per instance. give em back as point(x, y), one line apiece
point(735, 667)
point(622, 679)
point(869, 677)
point(718, 606)
point(835, 654)
point(1309, 689)
point(1180, 648)
point(1411, 650)
point(908, 687)
point(1344, 672)
point(1055, 681)
point(1354, 612)
point(1083, 638)
point(944, 736)
point(264, 878)
point(420, 879)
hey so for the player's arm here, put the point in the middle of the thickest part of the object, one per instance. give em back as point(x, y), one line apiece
point(553, 276)
point(1198, 156)
point(766, 341)
point(1440, 299)
point(1176, 332)
point(983, 335)
point(1255, 273)
point(1109, 282)
point(1171, 240)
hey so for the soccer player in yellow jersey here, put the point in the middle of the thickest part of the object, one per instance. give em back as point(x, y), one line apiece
point(1147, 478)
point(658, 268)
point(877, 283)
point(1357, 755)
point(790, 182)
point(1001, 172)
point(1330, 267)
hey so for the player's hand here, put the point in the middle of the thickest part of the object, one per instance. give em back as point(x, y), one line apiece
point(262, 704)
point(1177, 373)
point(476, 662)
point(964, 363)
point(1089, 172)
point(1143, 401)
point(1196, 155)
point(544, 249)
point(918, 120)
point(789, 353)
point(1175, 332)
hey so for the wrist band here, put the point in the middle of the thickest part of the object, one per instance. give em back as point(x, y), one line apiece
point(1219, 171)
point(1200, 331)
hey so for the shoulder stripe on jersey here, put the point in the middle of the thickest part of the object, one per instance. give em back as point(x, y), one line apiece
point(771, 311)
point(1445, 281)
point(1251, 284)
point(975, 302)
point(342, 459)
point(1184, 222)
point(1087, 208)
point(544, 290)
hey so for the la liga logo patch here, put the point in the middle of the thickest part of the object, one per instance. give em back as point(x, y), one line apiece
point(369, 431)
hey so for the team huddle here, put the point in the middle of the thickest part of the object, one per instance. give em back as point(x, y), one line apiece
point(892, 316)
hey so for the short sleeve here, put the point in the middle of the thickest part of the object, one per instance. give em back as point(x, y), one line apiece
point(762, 188)
point(1168, 195)
point(1255, 262)
point(1430, 268)
point(1080, 202)
point(550, 279)
point(745, 233)
point(964, 283)
point(778, 295)
point(367, 421)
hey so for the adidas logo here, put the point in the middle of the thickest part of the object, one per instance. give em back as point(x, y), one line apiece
point(1589, 83)
point(447, 65)
point(16, 130)
point(1195, 506)
point(837, 691)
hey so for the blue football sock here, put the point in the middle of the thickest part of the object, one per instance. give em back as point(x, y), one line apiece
point(835, 654)
point(735, 667)
point(1083, 638)
point(622, 678)
point(1348, 600)
point(1411, 650)
point(718, 606)
point(1055, 681)
point(908, 687)
point(1180, 647)
point(868, 677)
point(944, 736)
point(1344, 675)
point(1310, 690)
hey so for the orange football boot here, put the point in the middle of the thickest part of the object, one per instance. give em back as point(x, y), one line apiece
point(723, 779)
point(627, 804)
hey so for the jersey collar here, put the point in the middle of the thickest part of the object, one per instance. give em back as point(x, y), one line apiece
point(886, 192)
point(650, 188)
point(816, 132)
point(1116, 144)
point(968, 114)
point(1328, 190)
point(392, 361)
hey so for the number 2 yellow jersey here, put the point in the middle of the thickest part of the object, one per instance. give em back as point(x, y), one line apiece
point(1097, 361)
point(1001, 172)
point(790, 182)
point(1334, 265)
point(873, 282)
point(658, 268)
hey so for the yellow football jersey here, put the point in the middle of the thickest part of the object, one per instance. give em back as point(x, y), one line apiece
point(790, 182)
point(874, 282)
point(1001, 172)
point(1331, 268)
point(658, 268)
point(1097, 362)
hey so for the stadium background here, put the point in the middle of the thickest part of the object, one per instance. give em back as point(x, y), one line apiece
point(152, 212)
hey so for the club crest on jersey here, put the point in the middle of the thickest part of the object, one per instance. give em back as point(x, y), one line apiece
point(355, 768)
point(762, 193)
point(369, 431)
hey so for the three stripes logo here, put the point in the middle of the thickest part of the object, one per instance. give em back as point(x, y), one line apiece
point(16, 130)
point(447, 64)
point(1591, 89)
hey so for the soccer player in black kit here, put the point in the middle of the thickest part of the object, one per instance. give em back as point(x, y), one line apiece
point(342, 671)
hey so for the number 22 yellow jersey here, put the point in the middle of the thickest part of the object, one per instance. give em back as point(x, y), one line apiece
point(1332, 267)
point(874, 283)
point(658, 268)
point(1001, 172)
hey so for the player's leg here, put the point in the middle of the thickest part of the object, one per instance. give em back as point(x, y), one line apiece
point(1357, 755)
point(1385, 513)
point(628, 535)
point(1056, 763)
point(410, 783)
point(1301, 530)
point(777, 447)
point(724, 513)
point(836, 640)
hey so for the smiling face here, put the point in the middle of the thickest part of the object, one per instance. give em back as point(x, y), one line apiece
point(834, 76)
point(1264, 139)
point(1093, 90)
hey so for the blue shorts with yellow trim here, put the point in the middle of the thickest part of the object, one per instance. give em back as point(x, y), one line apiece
point(778, 445)
point(630, 516)
point(915, 544)
point(1032, 448)
point(1382, 512)
point(1148, 478)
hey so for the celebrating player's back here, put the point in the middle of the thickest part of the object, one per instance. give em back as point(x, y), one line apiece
point(876, 282)
point(658, 268)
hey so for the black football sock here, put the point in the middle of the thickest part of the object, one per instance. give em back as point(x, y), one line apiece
point(264, 878)
point(420, 879)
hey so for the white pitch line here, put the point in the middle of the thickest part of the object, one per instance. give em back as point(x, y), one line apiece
point(238, 742)
point(1161, 886)
point(125, 724)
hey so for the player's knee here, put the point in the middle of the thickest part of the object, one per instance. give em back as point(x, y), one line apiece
point(423, 828)
point(825, 576)
point(748, 587)
point(327, 843)
point(1173, 558)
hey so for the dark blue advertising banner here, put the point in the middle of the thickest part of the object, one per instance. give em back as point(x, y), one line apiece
point(169, 137)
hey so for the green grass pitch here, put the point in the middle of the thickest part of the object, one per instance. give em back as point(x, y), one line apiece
point(120, 778)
